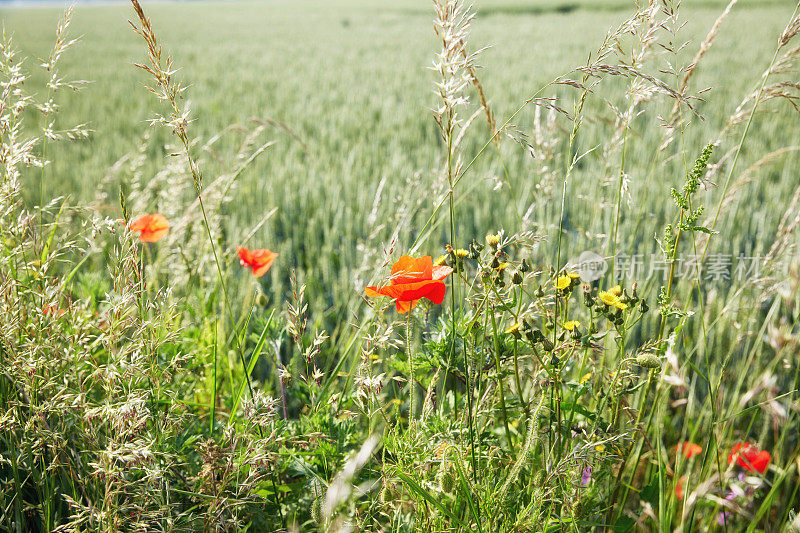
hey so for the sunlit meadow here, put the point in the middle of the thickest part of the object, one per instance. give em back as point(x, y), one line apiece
point(407, 266)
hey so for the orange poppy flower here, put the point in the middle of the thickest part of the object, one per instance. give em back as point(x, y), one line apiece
point(689, 449)
point(150, 227)
point(413, 279)
point(750, 457)
point(679, 487)
point(258, 260)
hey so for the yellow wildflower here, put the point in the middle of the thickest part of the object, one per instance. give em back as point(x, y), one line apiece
point(563, 282)
point(513, 329)
point(571, 325)
point(586, 377)
point(441, 260)
point(612, 300)
point(616, 290)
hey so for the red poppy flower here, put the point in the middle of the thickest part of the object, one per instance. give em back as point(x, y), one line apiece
point(749, 457)
point(150, 227)
point(258, 260)
point(689, 449)
point(413, 279)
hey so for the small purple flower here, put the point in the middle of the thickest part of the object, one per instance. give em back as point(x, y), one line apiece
point(586, 476)
point(722, 517)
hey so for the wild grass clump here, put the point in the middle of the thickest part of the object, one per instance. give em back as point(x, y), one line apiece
point(156, 377)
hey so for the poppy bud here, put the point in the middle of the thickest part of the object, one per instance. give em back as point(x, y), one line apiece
point(261, 299)
point(516, 279)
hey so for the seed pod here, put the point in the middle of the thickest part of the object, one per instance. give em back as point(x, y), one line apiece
point(516, 279)
point(648, 360)
point(261, 299)
point(524, 267)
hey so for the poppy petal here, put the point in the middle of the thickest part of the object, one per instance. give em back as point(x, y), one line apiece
point(373, 292)
point(441, 272)
point(410, 270)
point(414, 291)
point(436, 292)
point(260, 270)
point(153, 236)
point(404, 306)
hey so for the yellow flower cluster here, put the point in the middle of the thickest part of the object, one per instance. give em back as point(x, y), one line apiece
point(611, 298)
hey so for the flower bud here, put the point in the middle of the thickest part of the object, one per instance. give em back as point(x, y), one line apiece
point(261, 299)
point(547, 344)
point(516, 279)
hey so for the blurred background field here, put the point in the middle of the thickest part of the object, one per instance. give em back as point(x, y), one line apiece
point(349, 78)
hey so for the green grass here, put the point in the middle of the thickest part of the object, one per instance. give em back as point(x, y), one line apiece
point(360, 172)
